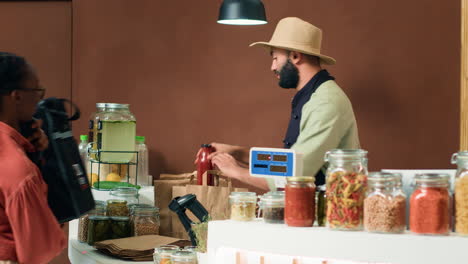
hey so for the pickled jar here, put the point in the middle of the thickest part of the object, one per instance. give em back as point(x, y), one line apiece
point(430, 204)
point(99, 227)
point(272, 205)
point(116, 132)
point(162, 254)
point(384, 209)
point(184, 257)
point(461, 192)
point(120, 227)
point(243, 205)
point(129, 194)
point(321, 205)
point(300, 201)
point(346, 188)
point(83, 221)
point(145, 221)
point(116, 207)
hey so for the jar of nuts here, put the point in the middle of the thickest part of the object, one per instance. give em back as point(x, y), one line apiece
point(145, 221)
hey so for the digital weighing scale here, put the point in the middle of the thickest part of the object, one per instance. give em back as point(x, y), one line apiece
point(275, 163)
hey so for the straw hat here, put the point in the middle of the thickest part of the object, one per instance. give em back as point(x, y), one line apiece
point(295, 34)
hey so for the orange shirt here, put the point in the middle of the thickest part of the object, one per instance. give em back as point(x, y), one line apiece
point(29, 231)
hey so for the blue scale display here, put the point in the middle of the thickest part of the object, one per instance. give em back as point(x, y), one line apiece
point(271, 163)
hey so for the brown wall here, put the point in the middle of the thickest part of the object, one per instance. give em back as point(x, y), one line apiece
point(41, 32)
point(190, 80)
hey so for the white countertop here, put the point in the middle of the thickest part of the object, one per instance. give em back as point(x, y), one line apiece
point(319, 243)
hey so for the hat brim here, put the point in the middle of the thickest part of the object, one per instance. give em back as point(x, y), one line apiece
point(325, 59)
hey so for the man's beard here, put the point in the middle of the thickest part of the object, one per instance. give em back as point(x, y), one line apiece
point(288, 76)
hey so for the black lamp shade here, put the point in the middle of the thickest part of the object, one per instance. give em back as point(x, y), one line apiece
point(242, 12)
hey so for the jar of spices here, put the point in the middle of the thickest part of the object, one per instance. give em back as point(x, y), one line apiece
point(300, 201)
point(184, 257)
point(83, 221)
point(145, 221)
point(99, 226)
point(243, 205)
point(346, 187)
point(461, 192)
point(117, 208)
point(129, 194)
point(384, 210)
point(162, 254)
point(272, 205)
point(321, 205)
point(430, 204)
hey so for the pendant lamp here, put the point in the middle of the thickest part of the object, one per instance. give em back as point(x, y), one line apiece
point(242, 12)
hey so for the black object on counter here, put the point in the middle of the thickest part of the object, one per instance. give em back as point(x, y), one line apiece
point(180, 204)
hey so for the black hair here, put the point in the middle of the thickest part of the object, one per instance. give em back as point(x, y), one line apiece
point(13, 71)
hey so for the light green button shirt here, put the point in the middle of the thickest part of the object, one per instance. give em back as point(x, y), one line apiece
point(327, 123)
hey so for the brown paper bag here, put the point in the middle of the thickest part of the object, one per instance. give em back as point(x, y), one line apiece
point(215, 199)
point(163, 196)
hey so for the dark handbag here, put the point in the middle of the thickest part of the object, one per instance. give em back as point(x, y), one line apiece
point(69, 192)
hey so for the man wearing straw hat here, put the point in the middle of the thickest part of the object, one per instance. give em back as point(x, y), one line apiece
point(322, 116)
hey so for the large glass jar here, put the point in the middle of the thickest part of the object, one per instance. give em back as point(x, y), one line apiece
point(461, 192)
point(116, 131)
point(430, 204)
point(162, 254)
point(272, 205)
point(129, 194)
point(300, 201)
point(384, 209)
point(184, 257)
point(93, 124)
point(83, 221)
point(99, 227)
point(145, 221)
point(243, 205)
point(346, 188)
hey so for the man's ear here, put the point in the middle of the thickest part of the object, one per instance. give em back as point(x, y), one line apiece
point(296, 57)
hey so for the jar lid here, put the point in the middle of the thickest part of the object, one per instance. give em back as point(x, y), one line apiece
point(120, 218)
point(148, 210)
point(184, 255)
point(166, 249)
point(301, 179)
point(124, 191)
point(345, 154)
point(116, 106)
point(100, 105)
point(459, 156)
point(243, 196)
point(116, 202)
point(432, 178)
point(273, 197)
point(322, 188)
point(381, 179)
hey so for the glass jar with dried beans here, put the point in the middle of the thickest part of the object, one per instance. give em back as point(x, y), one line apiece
point(346, 187)
point(99, 226)
point(384, 209)
point(243, 205)
point(272, 206)
point(430, 204)
point(461, 192)
point(145, 221)
point(83, 221)
point(300, 201)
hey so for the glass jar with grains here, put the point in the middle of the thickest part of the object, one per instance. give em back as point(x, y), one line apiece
point(384, 209)
point(145, 221)
point(243, 205)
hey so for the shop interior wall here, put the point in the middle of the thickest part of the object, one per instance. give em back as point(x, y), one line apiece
point(41, 32)
point(190, 80)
